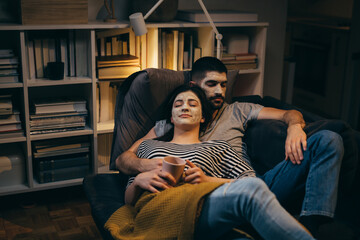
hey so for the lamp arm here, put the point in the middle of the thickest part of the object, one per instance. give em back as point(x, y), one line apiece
point(218, 35)
point(208, 17)
point(153, 9)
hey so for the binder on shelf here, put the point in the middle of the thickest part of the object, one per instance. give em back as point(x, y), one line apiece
point(62, 174)
point(52, 163)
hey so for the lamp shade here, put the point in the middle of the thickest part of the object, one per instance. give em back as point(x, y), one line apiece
point(138, 23)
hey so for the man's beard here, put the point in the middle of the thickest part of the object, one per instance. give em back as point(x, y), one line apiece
point(216, 106)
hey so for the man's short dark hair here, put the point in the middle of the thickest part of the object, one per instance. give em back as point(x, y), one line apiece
point(204, 65)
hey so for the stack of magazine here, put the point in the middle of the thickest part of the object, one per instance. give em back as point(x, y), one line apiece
point(57, 115)
point(61, 159)
point(10, 124)
point(9, 64)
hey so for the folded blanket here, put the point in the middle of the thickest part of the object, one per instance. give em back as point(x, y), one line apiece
point(170, 214)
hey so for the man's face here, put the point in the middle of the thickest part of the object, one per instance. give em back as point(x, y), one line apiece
point(214, 86)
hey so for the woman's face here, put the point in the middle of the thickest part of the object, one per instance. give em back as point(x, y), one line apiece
point(186, 109)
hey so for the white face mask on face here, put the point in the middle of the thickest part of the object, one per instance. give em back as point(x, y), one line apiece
point(214, 86)
point(186, 109)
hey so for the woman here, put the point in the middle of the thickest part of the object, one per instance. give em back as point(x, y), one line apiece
point(235, 196)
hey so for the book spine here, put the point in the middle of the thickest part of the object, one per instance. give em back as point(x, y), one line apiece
point(62, 174)
point(31, 59)
point(47, 165)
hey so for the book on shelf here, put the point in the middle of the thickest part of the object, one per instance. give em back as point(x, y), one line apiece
point(81, 49)
point(52, 115)
point(238, 57)
point(241, 66)
point(58, 162)
point(43, 106)
point(71, 54)
point(64, 55)
point(6, 106)
point(118, 60)
point(60, 146)
point(12, 118)
point(217, 16)
point(6, 53)
point(180, 60)
point(39, 64)
point(10, 127)
point(9, 66)
point(35, 132)
point(170, 47)
point(45, 55)
point(62, 174)
point(48, 121)
point(9, 60)
point(8, 71)
point(57, 126)
point(57, 115)
point(114, 42)
point(10, 78)
point(119, 72)
point(117, 67)
point(12, 134)
point(61, 152)
point(45, 144)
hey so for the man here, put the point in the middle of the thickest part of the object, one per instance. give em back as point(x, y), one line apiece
point(311, 165)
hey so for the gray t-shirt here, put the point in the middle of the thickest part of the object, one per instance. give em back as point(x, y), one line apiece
point(229, 125)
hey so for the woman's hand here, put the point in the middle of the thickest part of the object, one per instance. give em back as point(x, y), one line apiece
point(194, 174)
point(154, 180)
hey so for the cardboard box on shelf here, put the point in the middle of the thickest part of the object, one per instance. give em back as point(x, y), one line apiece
point(54, 11)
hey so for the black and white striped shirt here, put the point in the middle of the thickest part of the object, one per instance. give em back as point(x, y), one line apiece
point(215, 158)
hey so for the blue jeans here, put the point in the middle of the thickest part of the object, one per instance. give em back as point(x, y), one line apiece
point(247, 200)
point(315, 179)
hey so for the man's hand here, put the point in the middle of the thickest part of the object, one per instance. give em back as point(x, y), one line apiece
point(194, 174)
point(154, 180)
point(295, 143)
point(150, 164)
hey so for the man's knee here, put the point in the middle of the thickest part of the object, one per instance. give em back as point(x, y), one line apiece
point(329, 140)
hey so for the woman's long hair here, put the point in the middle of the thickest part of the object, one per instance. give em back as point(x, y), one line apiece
point(205, 108)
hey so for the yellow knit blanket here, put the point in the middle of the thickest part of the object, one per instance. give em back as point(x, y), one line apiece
point(170, 214)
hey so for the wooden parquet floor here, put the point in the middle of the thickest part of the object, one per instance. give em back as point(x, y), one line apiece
point(58, 214)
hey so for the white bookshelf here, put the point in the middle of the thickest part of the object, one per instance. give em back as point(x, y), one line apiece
point(249, 82)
